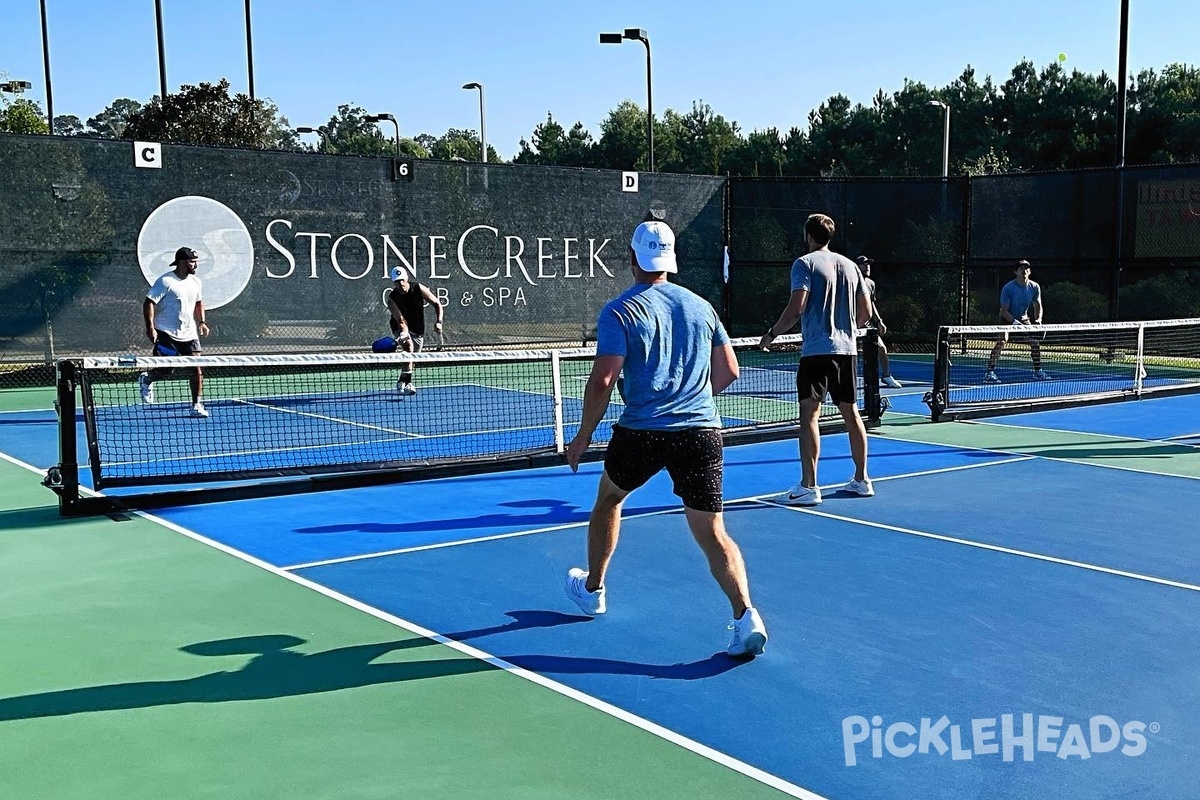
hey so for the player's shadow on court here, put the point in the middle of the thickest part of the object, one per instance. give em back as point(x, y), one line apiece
point(276, 670)
point(557, 512)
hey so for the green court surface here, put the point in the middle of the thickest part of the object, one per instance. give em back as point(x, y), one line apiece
point(1160, 458)
point(140, 663)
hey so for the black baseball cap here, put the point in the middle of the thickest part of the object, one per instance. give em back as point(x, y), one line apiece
point(864, 260)
point(1021, 264)
point(184, 254)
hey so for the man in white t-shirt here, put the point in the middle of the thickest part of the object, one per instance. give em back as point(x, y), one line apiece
point(175, 321)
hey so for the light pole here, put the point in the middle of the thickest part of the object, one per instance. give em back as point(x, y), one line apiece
point(1114, 296)
point(162, 54)
point(324, 136)
point(639, 34)
point(250, 60)
point(391, 119)
point(483, 154)
point(46, 61)
point(945, 138)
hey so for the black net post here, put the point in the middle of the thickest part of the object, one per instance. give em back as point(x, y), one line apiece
point(872, 398)
point(936, 399)
point(64, 478)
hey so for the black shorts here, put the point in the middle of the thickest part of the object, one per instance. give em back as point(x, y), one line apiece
point(165, 345)
point(833, 375)
point(1016, 333)
point(693, 457)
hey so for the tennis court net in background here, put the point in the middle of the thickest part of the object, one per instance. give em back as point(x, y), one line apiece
point(275, 416)
point(993, 369)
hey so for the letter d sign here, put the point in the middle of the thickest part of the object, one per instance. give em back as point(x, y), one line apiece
point(147, 155)
point(629, 181)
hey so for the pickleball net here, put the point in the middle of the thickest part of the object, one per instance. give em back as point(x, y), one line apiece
point(1055, 366)
point(291, 415)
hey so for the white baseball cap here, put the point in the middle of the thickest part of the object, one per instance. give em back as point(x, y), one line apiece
point(654, 246)
point(399, 274)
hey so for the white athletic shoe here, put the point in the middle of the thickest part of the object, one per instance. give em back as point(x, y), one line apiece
point(890, 382)
point(991, 377)
point(146, 388)
point(591, 603)
point(863, 488)
point(1040, 375)
point(749, 635)
point(800, 496)
point(198, 410)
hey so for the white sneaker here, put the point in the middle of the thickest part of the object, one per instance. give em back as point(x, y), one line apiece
point(590, 603)
point(991, 377)
point(409, 389)
point(1040, 375)
point(863, 488)
point(198, 410)
point(400, 384)
point(146, 388)
point(890, 382)
point(749, 635)
point(800, 496)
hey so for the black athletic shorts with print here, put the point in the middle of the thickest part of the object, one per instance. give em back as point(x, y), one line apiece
point(833, 375)
point(693, 457)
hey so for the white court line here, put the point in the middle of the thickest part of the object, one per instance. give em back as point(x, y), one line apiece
point(984, 546)
point(327, 418)
point(616, 712)
point(583, 523)
point(259, 452)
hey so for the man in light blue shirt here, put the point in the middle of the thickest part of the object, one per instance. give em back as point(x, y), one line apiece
point(1020, 305)
point(675, 355)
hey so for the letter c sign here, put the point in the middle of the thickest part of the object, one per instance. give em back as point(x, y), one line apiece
point(147, 155)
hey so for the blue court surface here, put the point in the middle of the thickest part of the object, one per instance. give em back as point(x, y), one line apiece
point(991, 624)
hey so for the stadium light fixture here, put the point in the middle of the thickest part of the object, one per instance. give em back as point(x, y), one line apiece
point(640, 35)
point(482, 137)
point(945, 138)
point(391, 119)
point(324, 136)
point(15, 87)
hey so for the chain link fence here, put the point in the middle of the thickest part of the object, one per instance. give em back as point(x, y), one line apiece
point(295, 247)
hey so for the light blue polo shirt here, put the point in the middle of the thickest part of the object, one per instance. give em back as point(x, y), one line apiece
point(666, 334)
point(1018, 298)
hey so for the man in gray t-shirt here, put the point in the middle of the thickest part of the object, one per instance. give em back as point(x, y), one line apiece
point(831, 301)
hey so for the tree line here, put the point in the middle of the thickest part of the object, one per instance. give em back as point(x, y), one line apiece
point(1035, 120)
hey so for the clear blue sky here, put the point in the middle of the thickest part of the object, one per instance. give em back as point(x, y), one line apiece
point(760, 64)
